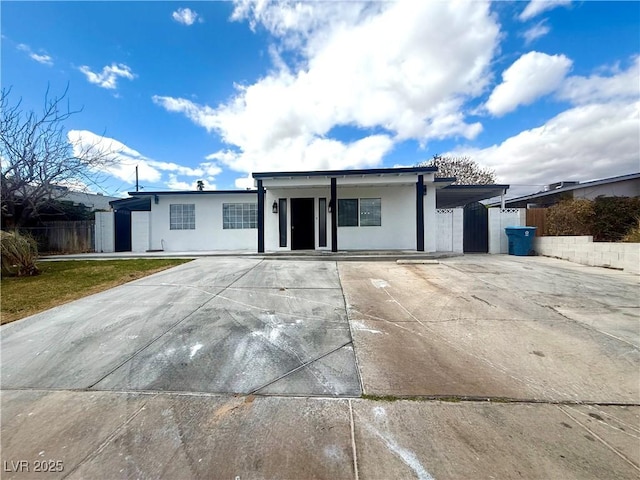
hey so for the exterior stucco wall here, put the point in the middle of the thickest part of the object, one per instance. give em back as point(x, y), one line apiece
point(140, 231)
point(271, 220)
point(208, 234)
point(398, 218)
point(430, 220)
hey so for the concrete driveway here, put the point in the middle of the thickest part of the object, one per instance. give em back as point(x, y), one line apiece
point(231, 325)
point(478, 367)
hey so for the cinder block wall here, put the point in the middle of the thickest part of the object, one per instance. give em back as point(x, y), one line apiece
point(582, 249)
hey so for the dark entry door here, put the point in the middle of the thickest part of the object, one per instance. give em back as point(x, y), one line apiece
point(122, 220)
point(302, 233)
point(476, 228)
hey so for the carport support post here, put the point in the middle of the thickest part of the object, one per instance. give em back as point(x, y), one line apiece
point(334, 215)
point(420, 214)
point(260, 217)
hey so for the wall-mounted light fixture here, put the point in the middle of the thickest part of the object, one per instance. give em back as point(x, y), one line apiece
point(330, 207)
point(156, 199)
point(274, 207)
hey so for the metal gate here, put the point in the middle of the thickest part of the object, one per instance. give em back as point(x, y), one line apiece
point(122, 220)
point(476, 228)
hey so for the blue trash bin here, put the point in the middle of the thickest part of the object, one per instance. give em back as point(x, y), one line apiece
point(520, 240)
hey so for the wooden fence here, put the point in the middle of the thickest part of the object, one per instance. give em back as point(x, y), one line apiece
point(536, 217)
point(64, 237)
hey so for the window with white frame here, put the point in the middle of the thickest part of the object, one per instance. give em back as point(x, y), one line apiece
point(363, 212)
point(182, 216)
point(239, 215)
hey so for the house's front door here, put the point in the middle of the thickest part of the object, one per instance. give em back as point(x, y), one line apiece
point(302, 224)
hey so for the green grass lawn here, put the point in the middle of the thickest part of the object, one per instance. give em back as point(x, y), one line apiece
point(63, 281)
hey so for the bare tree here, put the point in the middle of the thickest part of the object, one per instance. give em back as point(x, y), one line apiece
point(465, 170)
point(38, 160)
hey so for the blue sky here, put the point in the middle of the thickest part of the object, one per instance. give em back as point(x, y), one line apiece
point(539, 91)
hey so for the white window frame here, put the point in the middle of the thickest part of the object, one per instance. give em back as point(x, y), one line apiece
point(240, 215)
point(182, 216)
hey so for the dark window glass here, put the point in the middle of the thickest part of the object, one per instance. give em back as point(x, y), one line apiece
point(348, 212)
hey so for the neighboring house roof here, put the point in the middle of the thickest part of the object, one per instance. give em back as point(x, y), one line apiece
point(91, 200)
point(563, 188)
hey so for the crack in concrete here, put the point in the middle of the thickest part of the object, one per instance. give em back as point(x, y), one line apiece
point(107, 441)
point(300, 367)
point(603, 441)
point(364, 397)
point(353, 441)
point(590, 328)
point(496, 366)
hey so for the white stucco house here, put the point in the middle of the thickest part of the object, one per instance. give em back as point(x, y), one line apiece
point(372, 209)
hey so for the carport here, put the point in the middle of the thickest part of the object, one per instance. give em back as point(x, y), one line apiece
point(122, 219)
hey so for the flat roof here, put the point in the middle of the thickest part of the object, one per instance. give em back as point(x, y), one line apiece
point(345, 173)
point(460, 195)
point(191, 192)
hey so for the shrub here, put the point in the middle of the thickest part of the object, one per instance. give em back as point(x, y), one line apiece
point(570, 217)
point(633, 235)
point(19, 254)
point(614, 217)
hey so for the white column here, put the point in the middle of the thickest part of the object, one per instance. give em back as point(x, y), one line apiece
point(430, 221)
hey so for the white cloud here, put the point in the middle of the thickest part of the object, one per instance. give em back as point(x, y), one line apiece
point(175, 184)
point(530, 77)
point(42, 58)
point(597, 88)
point(582, 143)
point(536, 7)
point(245, 183)
point(186, 16)
point(540, 29)
point(596, 138)
point(109, 76)
point(149, 170)
point(349, 71)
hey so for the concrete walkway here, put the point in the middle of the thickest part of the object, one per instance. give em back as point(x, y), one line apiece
point(476, 367)
point(299, 255)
